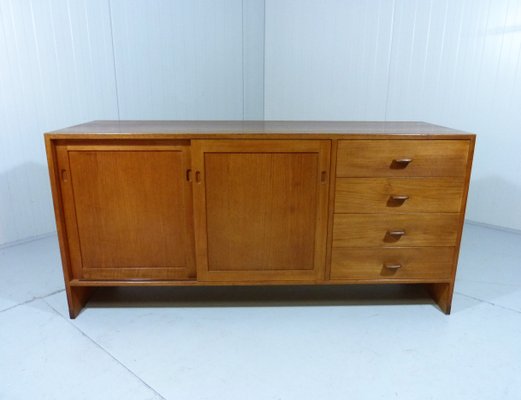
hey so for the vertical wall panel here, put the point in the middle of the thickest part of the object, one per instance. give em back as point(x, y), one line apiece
point(327, 59)
point(253, 59)
point(461, 69)
point(178, 59)
point(450, 62)
point(65, 62)
point(56, 70)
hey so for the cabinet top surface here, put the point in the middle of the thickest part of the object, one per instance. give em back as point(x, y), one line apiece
point(284, 128)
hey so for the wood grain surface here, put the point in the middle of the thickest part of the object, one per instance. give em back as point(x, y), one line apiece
point(259, 127)
point(414, 262)
point(375, 158)
point(372, 230)
point(130, 212)
point(374, 195)
point(261, 208)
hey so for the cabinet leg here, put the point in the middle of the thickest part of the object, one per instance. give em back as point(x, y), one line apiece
point(442, 295)
point(77, 297)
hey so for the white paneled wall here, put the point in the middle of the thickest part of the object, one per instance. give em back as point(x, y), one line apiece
point(327, 59)
point(253, 24)
point(450, 62)
point(56, 69)
point(457, 63)
point(64, 62)
point(178, 59)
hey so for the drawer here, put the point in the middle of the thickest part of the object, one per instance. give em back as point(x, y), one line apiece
point(387, 263)
point(395, 230)
point(363, 158)
point(398, 195)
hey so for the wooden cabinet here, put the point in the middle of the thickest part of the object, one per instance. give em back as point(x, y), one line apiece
point(241, 203)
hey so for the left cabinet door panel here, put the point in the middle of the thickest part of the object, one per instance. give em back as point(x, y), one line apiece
point(127, 211)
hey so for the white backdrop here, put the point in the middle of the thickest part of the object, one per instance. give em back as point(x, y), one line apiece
point(451, 62)
point(67, 62)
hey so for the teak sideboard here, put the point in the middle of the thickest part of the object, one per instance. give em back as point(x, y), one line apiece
point(168, 203)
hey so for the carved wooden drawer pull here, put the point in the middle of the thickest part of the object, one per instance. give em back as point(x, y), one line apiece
point(397, 200)
point(400, 163)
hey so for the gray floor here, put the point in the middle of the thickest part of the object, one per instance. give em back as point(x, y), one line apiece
point(264, 343)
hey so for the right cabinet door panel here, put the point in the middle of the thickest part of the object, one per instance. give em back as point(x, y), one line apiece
point(260, 208)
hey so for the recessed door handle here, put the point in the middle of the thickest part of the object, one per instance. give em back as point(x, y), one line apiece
point(198, 176)
point(396, 233)
point(392, 265)
point(323, 177)
point(399, 197)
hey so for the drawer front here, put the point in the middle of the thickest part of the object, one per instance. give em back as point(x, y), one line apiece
point(388, 263)
point(398, 195)
point(395, 230)
point(366, 158)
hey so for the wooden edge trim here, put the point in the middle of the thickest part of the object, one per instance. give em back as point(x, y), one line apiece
point(58, 208)
point(470, 159)
point(140, 283)
point(331, 208)
point(258, 136)
point(76, 297)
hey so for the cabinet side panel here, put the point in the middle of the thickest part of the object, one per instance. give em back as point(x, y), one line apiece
point(54, 176)
point(445, 302)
